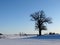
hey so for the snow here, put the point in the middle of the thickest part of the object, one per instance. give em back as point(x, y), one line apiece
point(31, 40)
point(28, 42)
point(45, 37)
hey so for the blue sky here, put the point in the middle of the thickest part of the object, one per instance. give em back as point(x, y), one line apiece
point(15, 15)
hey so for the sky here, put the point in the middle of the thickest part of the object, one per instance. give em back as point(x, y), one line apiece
point(15, 15)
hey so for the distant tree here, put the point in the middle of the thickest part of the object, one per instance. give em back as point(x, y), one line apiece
point(1, 34)
point(40, 20)
point(52, 33)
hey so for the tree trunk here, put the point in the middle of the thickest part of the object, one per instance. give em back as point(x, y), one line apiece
point(39, 32)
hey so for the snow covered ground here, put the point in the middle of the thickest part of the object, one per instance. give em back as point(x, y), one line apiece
point(28, 42)
point(45, 37)
point(24, 40)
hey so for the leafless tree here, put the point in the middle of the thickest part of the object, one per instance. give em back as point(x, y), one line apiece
point(40, 20)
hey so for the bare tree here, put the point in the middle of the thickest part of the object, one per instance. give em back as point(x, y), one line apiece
point(40, 20)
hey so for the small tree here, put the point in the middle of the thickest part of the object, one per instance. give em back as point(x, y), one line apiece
point(40, 20)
